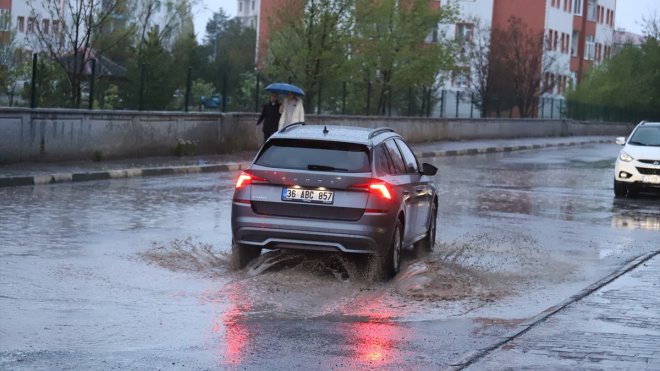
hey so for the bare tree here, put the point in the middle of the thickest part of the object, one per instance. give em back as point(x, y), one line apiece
point(474, 62)
point(169, 17)
point(518, 67)
point(651, 24)
point(68, 32)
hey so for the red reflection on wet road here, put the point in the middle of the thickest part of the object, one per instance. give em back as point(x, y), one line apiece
point(375, 341)
point(374, 338)
point(230, 324)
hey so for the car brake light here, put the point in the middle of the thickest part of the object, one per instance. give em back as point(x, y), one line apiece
point(381, 188)
point(247, 178)
point(376, 186)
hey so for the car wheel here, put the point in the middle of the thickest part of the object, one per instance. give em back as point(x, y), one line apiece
point(427, 244)
point(620, 189)
point(386, 266)
point(241, 255)
point(393, 261)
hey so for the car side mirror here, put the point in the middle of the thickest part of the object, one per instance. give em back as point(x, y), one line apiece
point(428, 169)
point(621, 141)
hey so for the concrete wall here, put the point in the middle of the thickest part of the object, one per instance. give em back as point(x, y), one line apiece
point(59, 134)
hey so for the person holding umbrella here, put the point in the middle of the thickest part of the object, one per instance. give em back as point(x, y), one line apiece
point(291, 110)
point(270, 115)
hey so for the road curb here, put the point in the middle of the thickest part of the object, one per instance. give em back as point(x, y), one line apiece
point(210, 168)
point(475, 356)
point(474, 151)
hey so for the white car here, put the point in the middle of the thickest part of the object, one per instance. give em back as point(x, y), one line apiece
point(638, 166)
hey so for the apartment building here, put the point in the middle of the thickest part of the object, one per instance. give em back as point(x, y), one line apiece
point(248, 12)
point(25, 14)
point(578, 33)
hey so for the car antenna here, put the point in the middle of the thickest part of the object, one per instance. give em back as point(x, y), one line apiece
point(325, 130)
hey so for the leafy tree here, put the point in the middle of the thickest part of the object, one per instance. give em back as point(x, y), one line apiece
point(14, 62)
point(53, 86)
point(201, 88)
point(230, 49)
point(310, 43)
point(397, 44)
point(517, 66)
point(158, 88)
point(628, 83)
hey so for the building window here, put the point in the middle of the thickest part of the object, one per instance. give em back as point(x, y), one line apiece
point(555, 41)
point(577, 7)
point(45, 26)
point(30, 24)
point(56, 27)
point(240, 6)
point(591, 11)
point(252, 5)
point(5, 19)
point(590, 48)
point(574, 44)
point(21, 24)
point(464, 32)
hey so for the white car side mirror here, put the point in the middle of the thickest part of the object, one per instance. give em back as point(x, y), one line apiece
point(621, 140)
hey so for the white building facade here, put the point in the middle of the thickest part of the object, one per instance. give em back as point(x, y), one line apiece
point(579, 35)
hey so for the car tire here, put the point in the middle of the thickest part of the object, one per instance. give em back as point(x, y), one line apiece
point(620, 189)
point(392, 263)
point(386, 266)
point(241, 255)
point(427, 244)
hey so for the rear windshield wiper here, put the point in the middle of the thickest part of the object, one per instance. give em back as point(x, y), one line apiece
point(324, 168)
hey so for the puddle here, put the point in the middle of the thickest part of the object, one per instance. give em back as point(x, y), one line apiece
point(459, 277)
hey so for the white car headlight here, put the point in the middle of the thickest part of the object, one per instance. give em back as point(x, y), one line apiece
point(625, 157)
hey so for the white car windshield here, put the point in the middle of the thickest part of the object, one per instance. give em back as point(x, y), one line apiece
point(646, 136)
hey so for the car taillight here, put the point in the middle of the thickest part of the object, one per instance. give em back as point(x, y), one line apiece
point(381, 189)
point(377, 187)
point(246, 178)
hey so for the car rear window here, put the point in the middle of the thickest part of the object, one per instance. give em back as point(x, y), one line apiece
point(315, 155)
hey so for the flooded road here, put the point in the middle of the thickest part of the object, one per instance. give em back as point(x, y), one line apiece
point(135, 273)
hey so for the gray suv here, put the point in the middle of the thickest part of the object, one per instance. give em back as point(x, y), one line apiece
point(335, 188)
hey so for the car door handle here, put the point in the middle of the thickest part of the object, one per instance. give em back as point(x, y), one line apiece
point(406, 193)
point(420, 189)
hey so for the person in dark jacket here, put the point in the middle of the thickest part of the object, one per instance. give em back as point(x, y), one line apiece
point(270, 115)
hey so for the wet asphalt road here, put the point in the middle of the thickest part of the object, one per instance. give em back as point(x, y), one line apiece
point(134, 273)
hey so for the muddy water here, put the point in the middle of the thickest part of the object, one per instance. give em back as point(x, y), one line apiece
point(135, 273)
point(455, 279)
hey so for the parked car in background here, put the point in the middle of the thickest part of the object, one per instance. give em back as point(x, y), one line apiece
point(337, 189)
point(637, 169)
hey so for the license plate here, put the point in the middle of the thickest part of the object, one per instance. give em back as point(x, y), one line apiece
point(307, 195)
point(653, 179)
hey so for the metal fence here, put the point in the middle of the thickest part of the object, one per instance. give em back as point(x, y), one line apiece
point(248, 94)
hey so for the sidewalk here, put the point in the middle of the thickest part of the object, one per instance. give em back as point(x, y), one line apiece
point(18, 174)
point(615, 327)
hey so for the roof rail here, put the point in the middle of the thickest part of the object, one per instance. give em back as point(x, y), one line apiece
point(282, 130)
point(379, 131)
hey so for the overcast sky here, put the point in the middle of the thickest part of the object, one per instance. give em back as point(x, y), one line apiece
point(629, 13)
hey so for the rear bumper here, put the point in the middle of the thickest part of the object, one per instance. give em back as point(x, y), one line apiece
point(371, 234)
